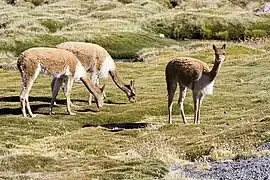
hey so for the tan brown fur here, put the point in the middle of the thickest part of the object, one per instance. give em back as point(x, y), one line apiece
point(189, 69)
point(193, 74)
point(61, 64)
point(92, 57)
point(54, 60)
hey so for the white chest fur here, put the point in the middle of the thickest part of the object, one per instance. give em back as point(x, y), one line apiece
point(204, 85)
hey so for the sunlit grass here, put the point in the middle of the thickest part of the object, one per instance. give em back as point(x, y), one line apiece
point(233, 122)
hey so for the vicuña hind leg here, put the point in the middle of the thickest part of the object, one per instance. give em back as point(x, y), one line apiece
point(197, 99)
point(55, 89)
point(68, 86)
point(94, 79)
point(171, 90)
point(24, 96)
point(182, 95)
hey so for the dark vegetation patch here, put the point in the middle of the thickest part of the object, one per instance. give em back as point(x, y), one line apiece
point(209, 26)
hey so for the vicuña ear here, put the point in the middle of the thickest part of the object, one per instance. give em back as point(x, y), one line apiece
point(132, 83)
point(214, 47)
point(224, 46)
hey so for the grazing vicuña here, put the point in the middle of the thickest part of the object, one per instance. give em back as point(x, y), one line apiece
point(62, 65)
point(98, 62)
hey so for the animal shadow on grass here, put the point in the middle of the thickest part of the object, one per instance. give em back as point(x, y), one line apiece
point(32, 99)
point(115, 127)
point(93, 102)
point(17, 111)
point(111, 102)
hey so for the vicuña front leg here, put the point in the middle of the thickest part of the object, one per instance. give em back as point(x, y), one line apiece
point(197, 99)
point(182, 95)
point(94, 79)
point(63, 88)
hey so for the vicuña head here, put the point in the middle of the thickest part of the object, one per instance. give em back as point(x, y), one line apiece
point(131, 91)
point(98, 62)
point(62, 65)
point(195, 75)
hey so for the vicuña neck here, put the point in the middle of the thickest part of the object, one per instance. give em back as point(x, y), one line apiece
point(119, 83)
point(91, 87)
point(213, 73)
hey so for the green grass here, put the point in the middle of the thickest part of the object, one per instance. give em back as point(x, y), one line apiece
point(18, 45)
point(57, 146)
point(234, 120)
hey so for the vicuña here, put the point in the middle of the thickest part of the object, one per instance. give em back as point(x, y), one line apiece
point(62, 65)
point(195, 75)
point(96, 60)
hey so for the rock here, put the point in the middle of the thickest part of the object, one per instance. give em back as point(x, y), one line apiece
point(138, 59)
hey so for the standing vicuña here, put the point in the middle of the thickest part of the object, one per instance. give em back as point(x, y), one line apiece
point(62, 65)
point(195, 75)
point(97, 60)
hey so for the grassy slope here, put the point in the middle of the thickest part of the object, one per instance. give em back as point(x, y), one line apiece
point(234, 119)
point(123, 29)
point(57, 146)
